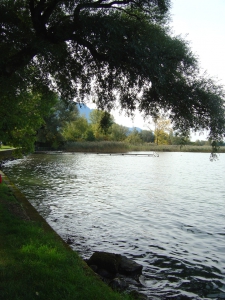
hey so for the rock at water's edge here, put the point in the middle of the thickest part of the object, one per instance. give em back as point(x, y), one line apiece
point(115, 263)
point(118, 284)
point(129, 267)
point(107, 261)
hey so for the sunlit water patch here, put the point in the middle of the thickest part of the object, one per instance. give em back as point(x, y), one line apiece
point(166, 212)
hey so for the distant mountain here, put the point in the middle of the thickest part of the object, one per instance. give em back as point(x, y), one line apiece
point(137, 128)
point(84, 110)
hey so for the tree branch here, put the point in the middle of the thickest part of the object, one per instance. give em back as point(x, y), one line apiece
point(49, 10)
point(90, 47)
point(36, 17)
point(99, 4)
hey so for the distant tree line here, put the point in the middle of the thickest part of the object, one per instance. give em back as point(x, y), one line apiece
point(64, 123)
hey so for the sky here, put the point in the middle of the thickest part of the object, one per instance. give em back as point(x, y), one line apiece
point(202, 23)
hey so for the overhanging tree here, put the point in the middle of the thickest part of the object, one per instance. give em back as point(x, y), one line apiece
point(22, 115)
point(112, 49)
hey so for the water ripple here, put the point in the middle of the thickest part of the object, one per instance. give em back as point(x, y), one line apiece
point(167, 213)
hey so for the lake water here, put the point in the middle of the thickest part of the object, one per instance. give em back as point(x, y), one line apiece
point(167, 213)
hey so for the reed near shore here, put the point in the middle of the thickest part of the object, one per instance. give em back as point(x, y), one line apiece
point(115, 147)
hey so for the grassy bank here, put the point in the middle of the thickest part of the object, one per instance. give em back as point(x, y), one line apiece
point(36, 264)
point(3, 148)
point(115, 147)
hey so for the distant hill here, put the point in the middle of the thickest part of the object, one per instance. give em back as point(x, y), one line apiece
point(137, 128)
point(84, 110)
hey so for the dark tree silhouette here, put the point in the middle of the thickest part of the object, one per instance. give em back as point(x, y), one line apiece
point(111, 49)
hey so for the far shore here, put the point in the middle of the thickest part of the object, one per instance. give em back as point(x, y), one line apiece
point(112, 147)
point(121, 147)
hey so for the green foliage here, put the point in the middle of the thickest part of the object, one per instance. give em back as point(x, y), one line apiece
point(106, 122)
point(76, 130)
point(202, 143)
point(147, 136)
point(221, 143)
point(179, 138)
point(134, 137)
point(95, 116)
point(61, 115)
point(162, 138)
point(22, 115)
point(101, 123)
point(123, 51)
point(118, 132)
point(162, 129)
point(89, 135)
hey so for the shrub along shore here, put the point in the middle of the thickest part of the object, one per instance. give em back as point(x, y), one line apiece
point(35, 263)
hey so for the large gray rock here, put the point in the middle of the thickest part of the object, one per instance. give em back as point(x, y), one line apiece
point(114, 263)
point(129, 267)
point(104, 260)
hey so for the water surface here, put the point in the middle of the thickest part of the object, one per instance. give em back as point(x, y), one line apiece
point(167, 213)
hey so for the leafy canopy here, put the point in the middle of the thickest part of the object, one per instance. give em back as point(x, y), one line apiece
point(113, 49)
point(22, 115)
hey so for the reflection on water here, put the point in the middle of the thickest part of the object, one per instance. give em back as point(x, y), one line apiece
point(166, 212)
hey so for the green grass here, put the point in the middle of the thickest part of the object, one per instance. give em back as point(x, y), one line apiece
point(36, 264)
point(3, 148)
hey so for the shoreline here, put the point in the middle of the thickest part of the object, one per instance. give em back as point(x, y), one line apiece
point(18, 261)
